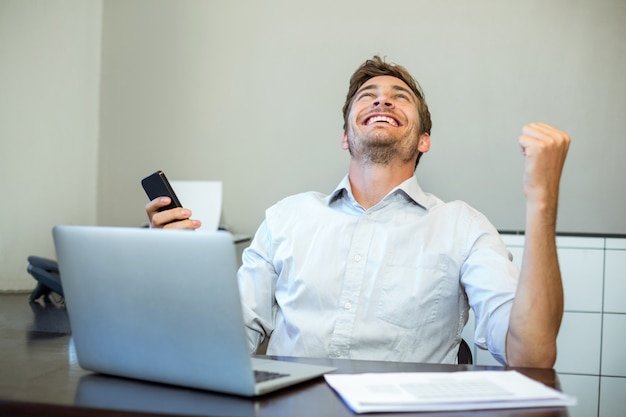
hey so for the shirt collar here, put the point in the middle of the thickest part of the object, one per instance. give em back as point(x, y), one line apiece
point(410, 189)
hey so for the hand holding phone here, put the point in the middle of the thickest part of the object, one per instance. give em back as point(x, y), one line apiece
point(157, 185)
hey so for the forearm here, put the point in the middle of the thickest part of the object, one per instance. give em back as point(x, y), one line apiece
point(538, 307)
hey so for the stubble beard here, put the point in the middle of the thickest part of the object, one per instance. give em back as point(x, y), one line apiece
point(380, 147)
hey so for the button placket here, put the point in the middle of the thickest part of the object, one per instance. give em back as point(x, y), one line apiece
point(351, 288)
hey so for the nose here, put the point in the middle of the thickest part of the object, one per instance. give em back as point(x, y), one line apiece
point(382, 101)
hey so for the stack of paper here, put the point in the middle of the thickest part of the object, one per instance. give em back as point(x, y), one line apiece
point(443, 391)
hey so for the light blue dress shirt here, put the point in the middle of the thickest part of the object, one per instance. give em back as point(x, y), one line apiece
point(323, 277)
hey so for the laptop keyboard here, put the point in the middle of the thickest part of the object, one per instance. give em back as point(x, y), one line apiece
point(262, 376)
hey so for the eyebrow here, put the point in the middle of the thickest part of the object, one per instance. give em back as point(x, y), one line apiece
point(393, 87)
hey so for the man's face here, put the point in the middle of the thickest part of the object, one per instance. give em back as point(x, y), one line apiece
point(383, 123)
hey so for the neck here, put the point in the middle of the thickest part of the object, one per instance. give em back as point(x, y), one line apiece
point(370, 183)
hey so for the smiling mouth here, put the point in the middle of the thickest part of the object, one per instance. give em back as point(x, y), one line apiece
point(381, 119)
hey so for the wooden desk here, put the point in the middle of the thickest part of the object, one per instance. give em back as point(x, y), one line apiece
point(39, 376)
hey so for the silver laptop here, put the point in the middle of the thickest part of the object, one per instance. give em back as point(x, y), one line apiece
point(163, 306)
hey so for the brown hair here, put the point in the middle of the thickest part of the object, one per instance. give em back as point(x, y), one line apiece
point(376, 67)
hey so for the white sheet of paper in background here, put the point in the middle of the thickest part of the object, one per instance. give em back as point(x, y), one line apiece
point(203, 198)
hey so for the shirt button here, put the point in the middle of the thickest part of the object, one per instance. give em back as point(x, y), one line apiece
point(347, 306)
point(357, 258)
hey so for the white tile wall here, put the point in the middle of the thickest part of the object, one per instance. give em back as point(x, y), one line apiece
point(591, 362)
point(513, 240)
point(615, 243)
point(580, 242)
point(578, 343)
point(582, 271)
point(613, 343)
point(615, 281)
point(586, 390)
point(612, 397)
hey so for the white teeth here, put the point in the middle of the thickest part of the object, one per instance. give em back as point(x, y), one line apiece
point(382, 119)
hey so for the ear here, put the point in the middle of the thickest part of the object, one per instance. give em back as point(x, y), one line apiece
point(424, 143)
point(344, 141)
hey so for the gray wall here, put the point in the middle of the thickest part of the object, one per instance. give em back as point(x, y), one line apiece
point(250, 93)
point(96, 94)
point(49, 82)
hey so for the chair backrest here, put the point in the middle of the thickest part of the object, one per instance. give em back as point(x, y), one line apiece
point(465, 354)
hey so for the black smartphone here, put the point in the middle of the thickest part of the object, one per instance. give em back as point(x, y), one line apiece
point(157, 185)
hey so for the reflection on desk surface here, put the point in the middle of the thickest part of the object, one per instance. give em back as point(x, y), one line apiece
point(101, 391)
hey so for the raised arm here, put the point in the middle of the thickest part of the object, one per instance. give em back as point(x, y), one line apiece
point(538, 307)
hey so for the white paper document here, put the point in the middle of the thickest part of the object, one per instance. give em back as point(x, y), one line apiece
point(443, 391)
point(203, 198)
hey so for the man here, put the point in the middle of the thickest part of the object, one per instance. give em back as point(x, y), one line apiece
point(379, 269)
